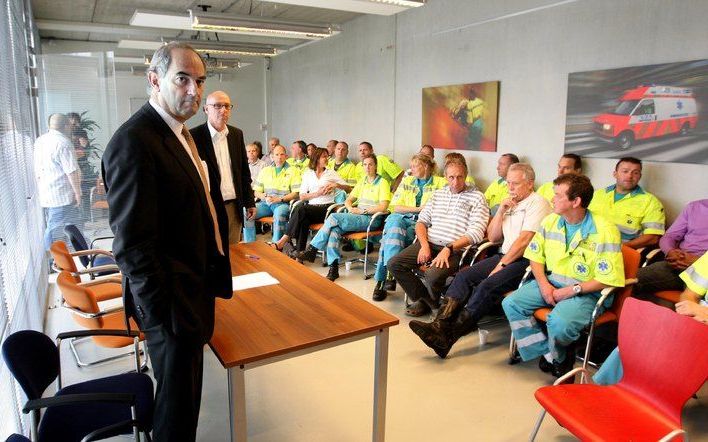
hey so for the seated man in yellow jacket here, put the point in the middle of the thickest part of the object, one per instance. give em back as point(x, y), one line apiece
point(638, 214)
point(498, 191)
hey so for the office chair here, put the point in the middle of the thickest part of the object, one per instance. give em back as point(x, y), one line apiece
point(102, 407)
point(664, 364)
point(90, 257)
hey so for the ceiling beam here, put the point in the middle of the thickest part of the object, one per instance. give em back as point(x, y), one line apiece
point(98, 28)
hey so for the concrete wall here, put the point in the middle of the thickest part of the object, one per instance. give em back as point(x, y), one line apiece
point(366, 82)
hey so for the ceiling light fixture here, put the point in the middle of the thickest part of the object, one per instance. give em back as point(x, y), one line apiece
point(378, 7)
point(207, 47)
point(258, 26)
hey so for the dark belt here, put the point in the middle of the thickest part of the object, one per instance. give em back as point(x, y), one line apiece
point(230, 201)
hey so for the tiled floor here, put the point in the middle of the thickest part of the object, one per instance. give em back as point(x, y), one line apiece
point(473, 395)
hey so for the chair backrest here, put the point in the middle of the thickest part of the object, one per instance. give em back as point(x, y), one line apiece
point(33, 360)
point(663, 355)
point(78, 241)
point(63, 259)
point(80, 298)
point(632, 258)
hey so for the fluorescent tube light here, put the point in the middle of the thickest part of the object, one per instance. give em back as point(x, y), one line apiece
point(378, 7)
point(257, 26)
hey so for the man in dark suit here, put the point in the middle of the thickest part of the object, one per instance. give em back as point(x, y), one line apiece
point(170, 235)
point(223, 148)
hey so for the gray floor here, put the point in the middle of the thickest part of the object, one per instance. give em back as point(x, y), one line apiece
point(472, 395)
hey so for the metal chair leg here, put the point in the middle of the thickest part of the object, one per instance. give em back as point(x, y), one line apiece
point(538, 425)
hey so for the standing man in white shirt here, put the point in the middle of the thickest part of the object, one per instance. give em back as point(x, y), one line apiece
point(58, 178)
point(222, 147)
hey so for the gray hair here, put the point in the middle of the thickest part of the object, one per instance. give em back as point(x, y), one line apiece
point(162, 58)
point(526, 169)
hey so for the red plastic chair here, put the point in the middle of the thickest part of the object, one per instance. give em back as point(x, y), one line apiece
point(664, 362)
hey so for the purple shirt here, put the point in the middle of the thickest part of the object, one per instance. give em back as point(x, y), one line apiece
point(690, 230)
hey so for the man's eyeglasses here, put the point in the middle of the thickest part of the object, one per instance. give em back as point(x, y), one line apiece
point(219, 106)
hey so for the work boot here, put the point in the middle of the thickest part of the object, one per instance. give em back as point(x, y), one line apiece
point(308, 255)
point(333, 270)
point(563, 367)
point(464, 325)
point(390, 284)
point(379, 291)
point(434, 334)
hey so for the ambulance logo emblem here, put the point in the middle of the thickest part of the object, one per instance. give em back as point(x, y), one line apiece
point(604, 267)
point(580, 269)
point(534, 246)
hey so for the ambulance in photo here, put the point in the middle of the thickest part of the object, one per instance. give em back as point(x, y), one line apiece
point(647, 112)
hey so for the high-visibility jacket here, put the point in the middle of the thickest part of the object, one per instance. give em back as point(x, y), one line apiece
point(407, 191)
point(347, 170)
point(637, 213)
point(696, 276)
point(368, 194)
point(595, 251)
point(497, 192)
point(300, 164)
point(546, 191)
point(278, 184)
point(385, 168)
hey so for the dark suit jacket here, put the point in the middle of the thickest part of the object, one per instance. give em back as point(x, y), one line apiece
point(239, 163)
point(164, 236)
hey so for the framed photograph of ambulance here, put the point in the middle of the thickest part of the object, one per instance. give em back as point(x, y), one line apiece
point(655, 112)
point(461, 116)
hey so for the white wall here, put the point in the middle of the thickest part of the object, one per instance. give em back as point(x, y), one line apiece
point(366, 82)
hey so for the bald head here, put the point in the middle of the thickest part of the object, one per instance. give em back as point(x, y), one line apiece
point(218, 109)
point(58, 122)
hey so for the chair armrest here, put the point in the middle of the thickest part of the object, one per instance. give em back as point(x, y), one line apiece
point(524, 278)
point(342, 209)
point(36, 404)
point(571, 373)
point(673, 434)
point(653, 256)
point(91, 252)
point(111, 279)
point(104, 332)
point(294, 204)
point(110, 430)
point(104, 268)
point(86, 315)
point(377, 215)
point(332, 208)
point(101, 238)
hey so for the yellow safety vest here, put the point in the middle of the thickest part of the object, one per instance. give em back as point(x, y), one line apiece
point(385, 168)
point(369, 195)
point(595, 251)
point(407, 191)
point(497, 192)
point(300, 164)
point(546, 191)
point(696, 276)
point(638, 212)
point(347, 170)
point(278, 184)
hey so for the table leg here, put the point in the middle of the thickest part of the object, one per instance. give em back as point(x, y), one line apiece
point(380, 375)
point(237, 403)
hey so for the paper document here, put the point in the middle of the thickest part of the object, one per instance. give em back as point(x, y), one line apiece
point(252, 280)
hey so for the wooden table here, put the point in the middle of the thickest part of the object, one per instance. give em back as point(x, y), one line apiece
point(303, 314)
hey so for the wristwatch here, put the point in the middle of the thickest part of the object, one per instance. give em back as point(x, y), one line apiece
point(450, 246)
point(577, 289)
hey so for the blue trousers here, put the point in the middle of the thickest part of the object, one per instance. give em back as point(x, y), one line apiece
point(280, 213)
point(398, 233)
point(611, 370)
point(57, 218)
point(482, 291)
point(329, 236)
point(568, 318)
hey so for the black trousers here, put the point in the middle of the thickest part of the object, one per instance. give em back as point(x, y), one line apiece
point(484, 292)
point(303, 215)
point(403, 265)
point(177, 365)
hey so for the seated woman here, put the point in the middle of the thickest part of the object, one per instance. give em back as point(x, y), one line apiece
point(370, 195)
point(317, 192)
point(407, 201)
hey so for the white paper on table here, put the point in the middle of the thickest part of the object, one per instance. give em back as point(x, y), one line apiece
point(252, 280)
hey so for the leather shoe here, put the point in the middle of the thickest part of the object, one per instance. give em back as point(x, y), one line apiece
point(333, 271)
point(390, 284)
point(379, 292)
point(308, 255)
point(544, 365)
